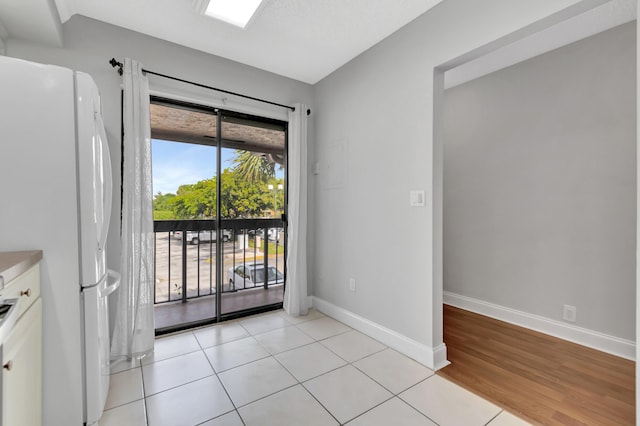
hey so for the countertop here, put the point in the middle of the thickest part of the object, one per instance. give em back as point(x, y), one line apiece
point(14, 263)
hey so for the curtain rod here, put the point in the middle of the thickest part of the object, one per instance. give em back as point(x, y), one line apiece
point(119, 65)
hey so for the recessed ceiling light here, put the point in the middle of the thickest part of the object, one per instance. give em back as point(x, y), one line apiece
point(235, 12)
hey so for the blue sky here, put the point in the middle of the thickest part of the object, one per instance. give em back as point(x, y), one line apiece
point(177, 163)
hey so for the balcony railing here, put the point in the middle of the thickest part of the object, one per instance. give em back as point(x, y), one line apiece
point(251, 256)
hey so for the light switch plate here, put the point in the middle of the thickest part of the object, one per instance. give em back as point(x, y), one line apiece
point(416, 198)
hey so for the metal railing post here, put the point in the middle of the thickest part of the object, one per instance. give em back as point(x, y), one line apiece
point(155, 246)
point(184, 266)
point(265, 261)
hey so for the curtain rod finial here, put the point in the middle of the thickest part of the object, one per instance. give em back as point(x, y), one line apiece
point(115, 64)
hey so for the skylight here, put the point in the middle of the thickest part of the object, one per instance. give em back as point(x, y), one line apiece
point(235, 12)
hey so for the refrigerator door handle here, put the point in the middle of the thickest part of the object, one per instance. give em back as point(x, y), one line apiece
point(108, 181)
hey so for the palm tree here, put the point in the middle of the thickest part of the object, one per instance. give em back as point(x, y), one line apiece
point(255, 166)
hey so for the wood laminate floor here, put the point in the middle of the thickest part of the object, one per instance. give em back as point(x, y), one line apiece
point(542, 379)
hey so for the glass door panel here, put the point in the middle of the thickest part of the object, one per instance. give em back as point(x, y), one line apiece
point(184, 158)
point(253, 193)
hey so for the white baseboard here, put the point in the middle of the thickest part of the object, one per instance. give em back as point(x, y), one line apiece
point(582, 336)
point(434, 358)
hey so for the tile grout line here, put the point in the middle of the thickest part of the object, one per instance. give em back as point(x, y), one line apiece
point(494, 417)
point(144, 393)
point(124, 403)
point(185, 383)
point(267, 396)
point(180, 333)
point(318, 401)
point(407, 402)
point(374, 407)
point(356, 360)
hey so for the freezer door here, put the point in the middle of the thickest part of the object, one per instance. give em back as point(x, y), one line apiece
point(94, 180)
point(97, 345)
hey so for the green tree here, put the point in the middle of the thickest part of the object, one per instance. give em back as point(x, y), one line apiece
point(196, 201)
point(163, 206)
point(240, 198)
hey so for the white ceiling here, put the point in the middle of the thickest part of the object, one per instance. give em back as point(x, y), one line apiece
point(596, 20)
point(301, 39)
point(34, 20)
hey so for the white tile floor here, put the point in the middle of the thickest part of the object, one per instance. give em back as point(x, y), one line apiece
point(273, 369)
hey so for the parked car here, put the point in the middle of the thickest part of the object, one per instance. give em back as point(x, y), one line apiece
point(195, 237)
point(275, 234)
point(255, 232)
point(253, 275)
point(272, 233)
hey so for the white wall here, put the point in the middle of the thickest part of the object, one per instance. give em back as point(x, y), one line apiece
point(88, 47)
point(637, 220)
point(378, 111)
point(540, 185)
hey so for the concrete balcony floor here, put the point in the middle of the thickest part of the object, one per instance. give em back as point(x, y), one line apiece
point(176, 313)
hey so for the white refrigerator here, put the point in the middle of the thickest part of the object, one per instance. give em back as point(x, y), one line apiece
point(56, 196)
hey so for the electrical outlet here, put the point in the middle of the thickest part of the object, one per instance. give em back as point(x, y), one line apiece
point(352, 284)
point(569, 313)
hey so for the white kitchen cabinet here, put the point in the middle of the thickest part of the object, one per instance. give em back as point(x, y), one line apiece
point(22, 353)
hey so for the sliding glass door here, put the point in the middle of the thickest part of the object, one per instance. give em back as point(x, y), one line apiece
point(253, 189)
point(220, 194)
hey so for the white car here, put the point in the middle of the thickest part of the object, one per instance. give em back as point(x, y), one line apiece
point(275, 234)
point(195, 237)
point(272, 233)
point(244, 276)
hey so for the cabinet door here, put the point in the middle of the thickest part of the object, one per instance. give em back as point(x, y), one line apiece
point(22, 371)
point(25, 288)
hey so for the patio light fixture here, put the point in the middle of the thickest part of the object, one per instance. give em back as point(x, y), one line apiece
point(275, 191)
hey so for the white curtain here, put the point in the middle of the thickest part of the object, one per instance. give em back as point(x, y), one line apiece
point(295, 295)
point(133, 335)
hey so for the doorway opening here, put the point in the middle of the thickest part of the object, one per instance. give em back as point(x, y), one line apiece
point(219, 179)
point(501, 207)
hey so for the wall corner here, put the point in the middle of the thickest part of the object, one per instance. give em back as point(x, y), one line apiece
point(3, 40)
